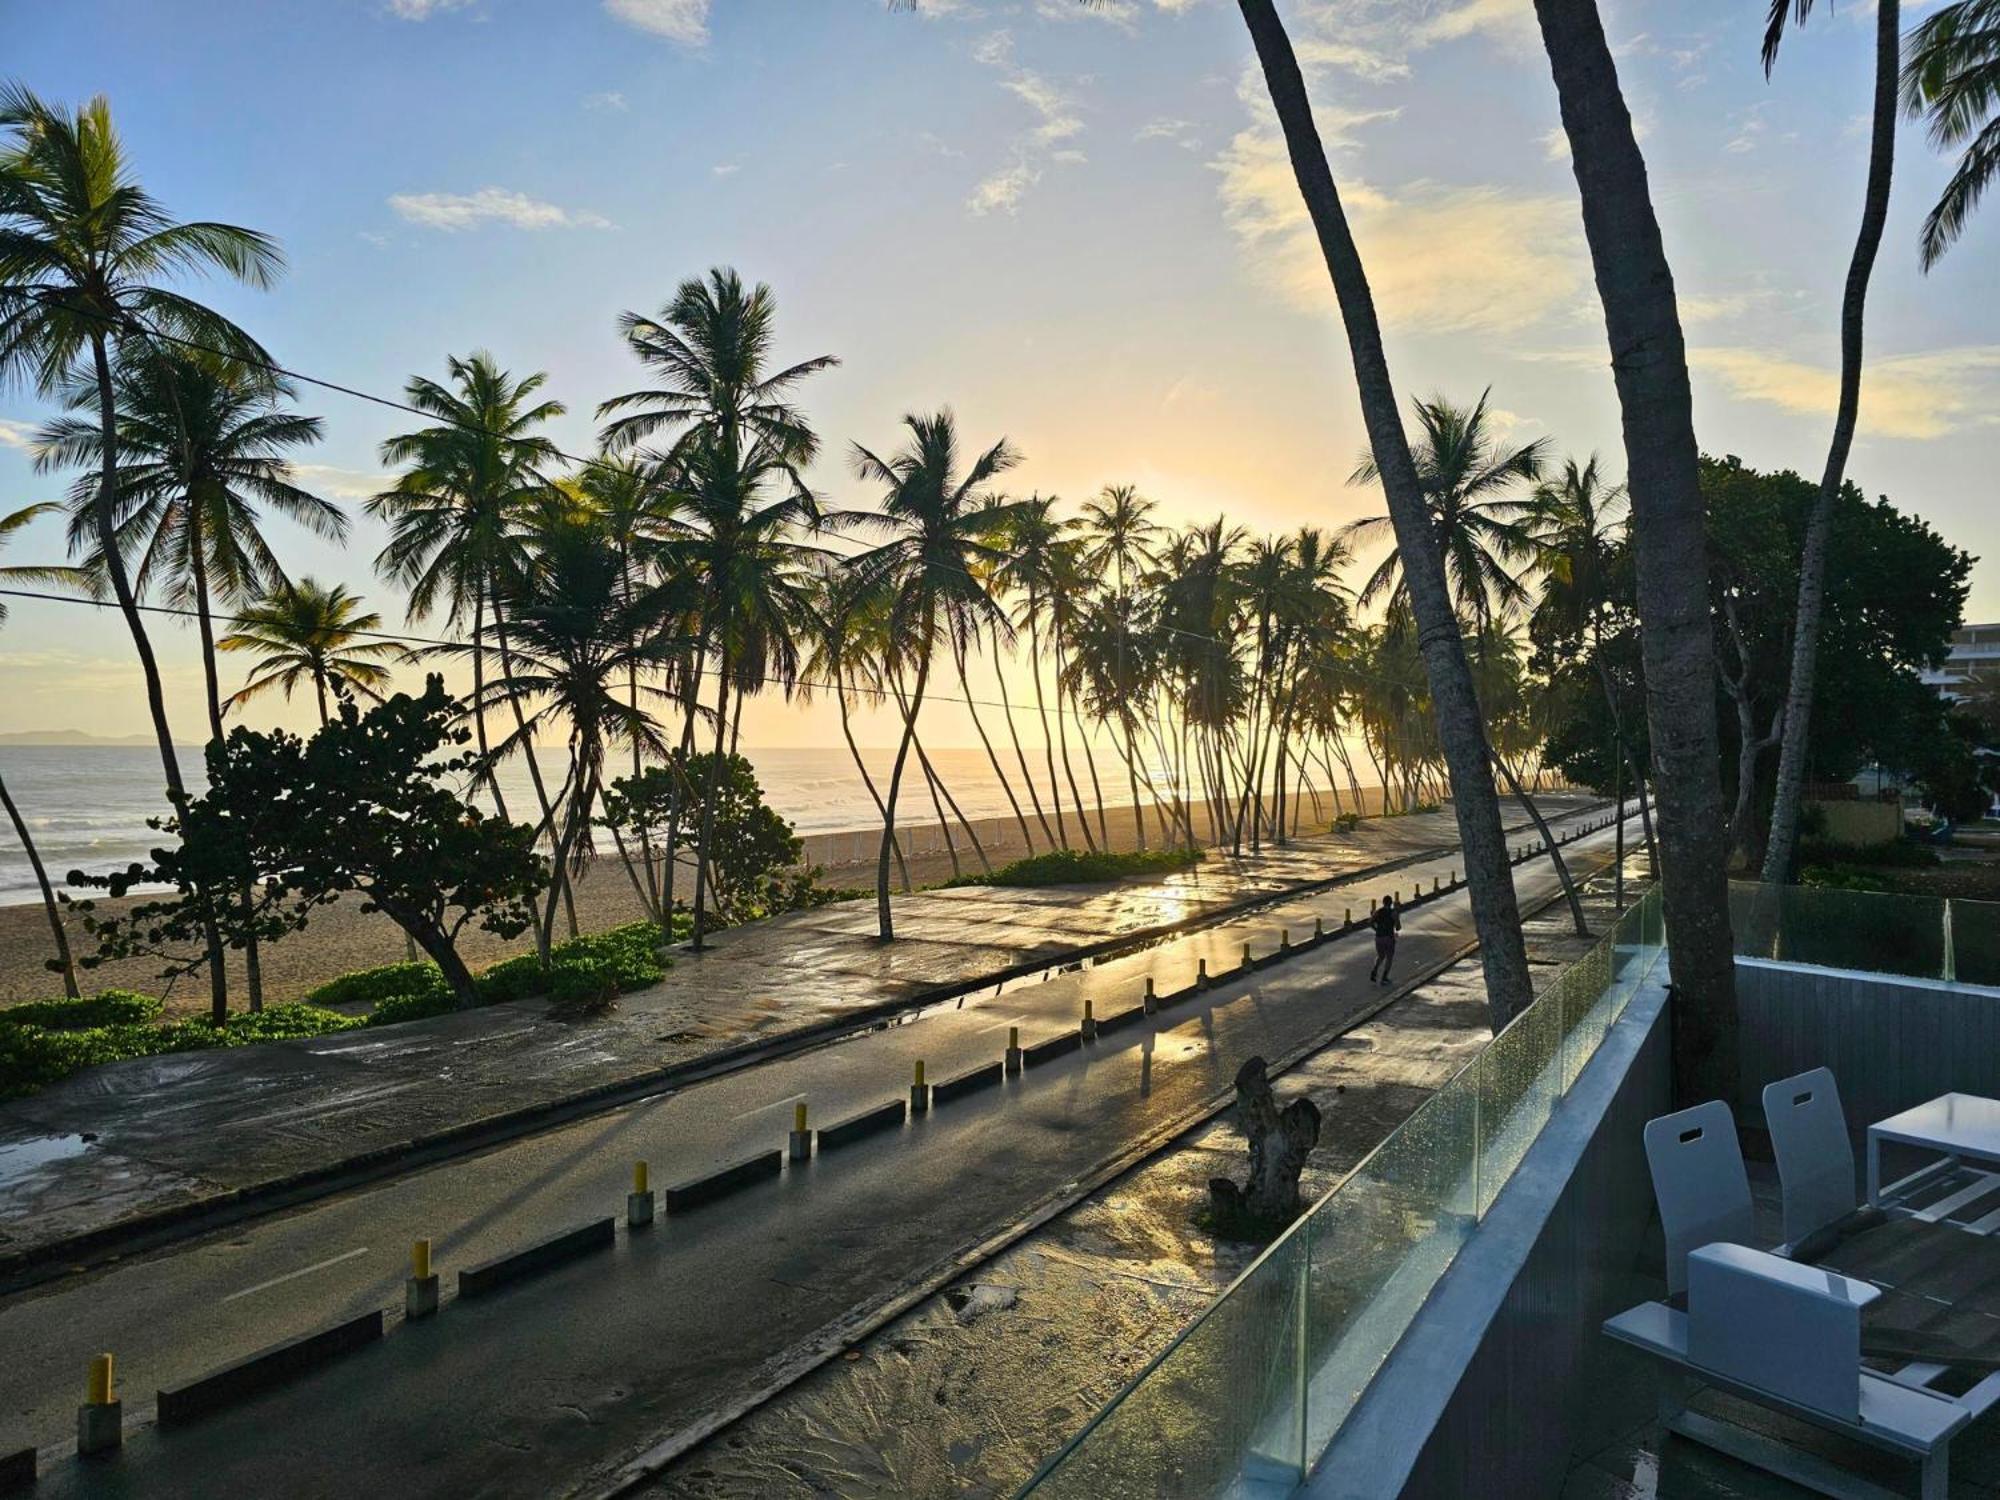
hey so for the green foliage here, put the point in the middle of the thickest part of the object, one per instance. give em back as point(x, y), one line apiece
point(1347, 822)
point(414, 1005)
point(33, 1057)
point(1840, 878)
point(1069, 867)
point(1899, 854)
point(753, 868)
point(372, 986)
point(276, 1023)
point(584, 985)
point(630, 955)
point(368, 806)
point(517, 978)
point(105, 1008)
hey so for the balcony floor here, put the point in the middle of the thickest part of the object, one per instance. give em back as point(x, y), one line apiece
point(1622, 1453)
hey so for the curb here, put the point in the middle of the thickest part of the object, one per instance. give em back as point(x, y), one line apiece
point(985, 1076)
point(870, 1122)
point(724, 1181)
point(143, 1231)
point(257, 1373)
point(490, 1276)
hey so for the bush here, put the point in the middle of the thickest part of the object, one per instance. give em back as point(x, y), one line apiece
point(630, 954)
point(106, 1008)
point(1068, 867)
point(277, 1022)
point(372, 986)
point(1347, 822)
point(1833, 878)
point(511, 979)
point(33, 1057)
point(1900, 854)
point(583, 984)
point(414, 1006)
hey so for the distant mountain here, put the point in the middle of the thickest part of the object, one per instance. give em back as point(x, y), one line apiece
point(71, 737)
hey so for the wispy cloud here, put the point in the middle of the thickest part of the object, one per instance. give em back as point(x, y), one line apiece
point(1915, 396)
point(1439, 258)
point(1058, 116)
point(1512, 20)
point(1002, 191)
point(1045, 143)
point(1164, 128)
point(1120, 13)
point(726, 168)
point(423, 10)
point(681, 21)
point(344, 484)
point(611, 100)
point(490, 205)
point(17, 435)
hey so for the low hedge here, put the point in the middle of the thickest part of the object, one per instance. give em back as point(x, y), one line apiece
point(33, 1057)
point(106, 1008)
point(372, 986)
point(1070, 867)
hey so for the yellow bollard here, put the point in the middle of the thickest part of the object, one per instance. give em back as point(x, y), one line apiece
point(800, 1146)
point(639, 1177)
point(420, 1292)
point(799, 1115)
point(1089, 1027)
point(918, 1080)
point(920, 1097)
point(420, 1253)
point(1011, 1062)
point(101, 1391)
point(1013, 1036)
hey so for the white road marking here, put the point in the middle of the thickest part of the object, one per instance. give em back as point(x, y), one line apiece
point(774, 1104)
point(294, 1275)
point(1010, 1021)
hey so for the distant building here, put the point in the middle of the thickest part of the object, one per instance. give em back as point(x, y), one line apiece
point(1974, 648)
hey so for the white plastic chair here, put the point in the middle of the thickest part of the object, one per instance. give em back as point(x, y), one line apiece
point(1699, 1183)
point(1815, 1156)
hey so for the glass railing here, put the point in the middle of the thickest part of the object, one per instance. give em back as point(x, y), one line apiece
point(1249, 1395)
point(1920, 937)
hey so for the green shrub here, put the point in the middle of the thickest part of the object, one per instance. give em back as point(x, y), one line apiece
point(33, 1057)
point(106, 1008)
point(1347, 822)
point(1899, 854)
point(631, 953)
point(583, 984)
point(372, 986)
point(277, 1022)
point(1831, 877)
point(414, 1006)
point(1069, 867)
point(518, 978)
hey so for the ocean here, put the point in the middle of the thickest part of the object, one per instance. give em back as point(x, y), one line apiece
point(86, 806)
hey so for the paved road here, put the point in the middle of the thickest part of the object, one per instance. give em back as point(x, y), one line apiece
point(530, 1392)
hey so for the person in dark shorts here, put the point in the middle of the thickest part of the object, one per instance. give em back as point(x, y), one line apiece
point(1387, 922)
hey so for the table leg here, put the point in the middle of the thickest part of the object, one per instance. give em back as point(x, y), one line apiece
point(1874, 1170)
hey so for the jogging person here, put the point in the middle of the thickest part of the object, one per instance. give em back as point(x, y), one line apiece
point(1387, 922)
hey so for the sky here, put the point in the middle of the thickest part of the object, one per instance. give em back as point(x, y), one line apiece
point(1075, 227)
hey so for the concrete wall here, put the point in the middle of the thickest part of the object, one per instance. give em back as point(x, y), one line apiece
point(1475, 1398)
point(1860, 824)
point(1891, 1042)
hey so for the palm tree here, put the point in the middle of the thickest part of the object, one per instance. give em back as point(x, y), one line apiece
point(306, 632)
point(1819, 525)
point(1576, 528)
point(201, 444)
point(1469, 479)
point(70, 577)
point(577, 635)
point(940, 523)
point(1951, 74)
point(1677, 639)
point(82, 247)
point(1037, 560)
point(710, 346)
point(454, 513)
point(1120, 530)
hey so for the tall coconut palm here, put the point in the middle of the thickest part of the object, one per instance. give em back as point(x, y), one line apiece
point(304, 631)
point(1576, 526)
point(69, 578)
point(201, 446)
point(1951, 78)
point(1819, 525)
point(1038, 563)
point(1677, 635)
point(1120, 532)
point(82, 251)
point(940, 522)
point(454, 512)
point(577, 636)
point(710, 347)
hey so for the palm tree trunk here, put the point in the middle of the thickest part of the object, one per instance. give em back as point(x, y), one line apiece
point(534, 762)
point(652, 891)
point(48, 895)
point(885, 926)
point(1649, 365)
point(1090, 765)
point(1000, 775)
point(1014, 734)
point(319, 693)
point(708, 800)
point(1783, 841)
point(479, 705)
point(1549, 842)
point(847, 733)
point(1048, 741)
point(149, 667)
point(939, 788)
point(1062, 744)
point(253, 966)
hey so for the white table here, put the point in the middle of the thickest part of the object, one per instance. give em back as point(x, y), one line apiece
point(1960, 1126)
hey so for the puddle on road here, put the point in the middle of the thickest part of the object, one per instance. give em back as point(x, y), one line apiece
point(24, 1160)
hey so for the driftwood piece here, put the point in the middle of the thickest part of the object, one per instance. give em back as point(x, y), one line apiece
point(1280, 1142)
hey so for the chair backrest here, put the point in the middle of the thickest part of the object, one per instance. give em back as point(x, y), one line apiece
point(1699, 1183)
point(1776, 1326)
point(1815, 1157)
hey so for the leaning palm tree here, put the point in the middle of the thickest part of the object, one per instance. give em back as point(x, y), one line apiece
point(1120, 532)
point(1951, 78)
point(577, 635)
point(304, 631)
point(1496, 915)
point(940, 521)
point(454, 512)
point(201, 446)
point(82, 250)
point(1635, 285)
point(1819, 525)
point(69, 578)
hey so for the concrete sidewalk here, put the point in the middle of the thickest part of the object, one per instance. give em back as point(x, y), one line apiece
point(140, 1147)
